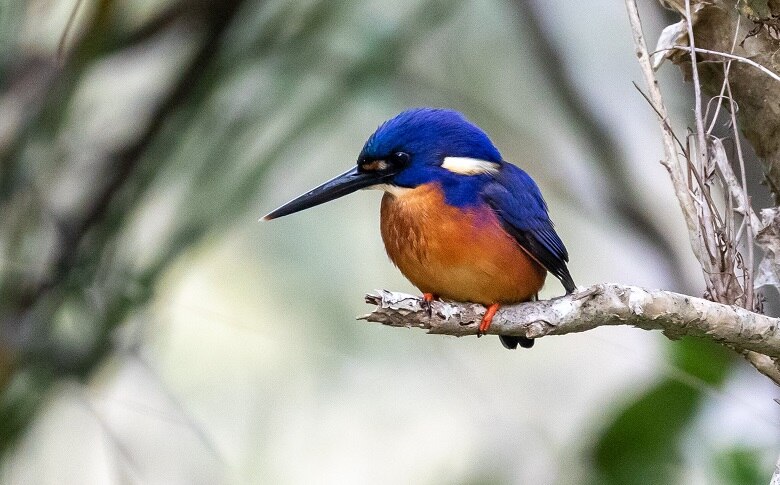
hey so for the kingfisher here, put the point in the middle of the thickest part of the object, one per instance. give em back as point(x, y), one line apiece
point(459, 221)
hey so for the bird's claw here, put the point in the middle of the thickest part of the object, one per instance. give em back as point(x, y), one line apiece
point(487, 319)
point(426, 303)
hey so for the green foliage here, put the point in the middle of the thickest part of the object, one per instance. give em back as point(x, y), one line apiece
point(642, 444)
point(740, 466)
point(186, 145)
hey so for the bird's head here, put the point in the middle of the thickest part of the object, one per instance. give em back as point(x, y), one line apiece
point(418, 146)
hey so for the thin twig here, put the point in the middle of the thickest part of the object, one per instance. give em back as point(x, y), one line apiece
point(708, 233)
point(665, 121)
point(117, 444)
point(750, 228)
point(726, 71)
point(186, 417)
point(671, 161)
point(700, 139)
point(726, 55)
point(68, 29)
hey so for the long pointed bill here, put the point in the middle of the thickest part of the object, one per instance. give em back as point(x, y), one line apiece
point(344, 184)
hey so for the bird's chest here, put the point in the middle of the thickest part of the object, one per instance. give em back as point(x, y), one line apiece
point(456, 253)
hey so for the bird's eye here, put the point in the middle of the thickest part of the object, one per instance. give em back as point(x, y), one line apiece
point(399, 159)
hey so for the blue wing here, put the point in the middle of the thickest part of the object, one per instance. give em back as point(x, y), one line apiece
point(518, 203)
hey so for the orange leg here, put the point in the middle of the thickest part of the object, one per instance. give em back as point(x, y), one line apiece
point(487, 319)
point(426, 304)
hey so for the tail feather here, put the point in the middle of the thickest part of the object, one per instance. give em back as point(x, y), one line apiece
point(567, 281)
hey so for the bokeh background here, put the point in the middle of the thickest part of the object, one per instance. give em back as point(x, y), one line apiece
point(153, 331)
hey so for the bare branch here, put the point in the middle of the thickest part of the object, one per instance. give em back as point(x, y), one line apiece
point(753, 78)
point(734, 57)
point(726, 70)
point(693, 221)
point(700, 139)
point(764, 364)
point(675, 314)
point(654, 95)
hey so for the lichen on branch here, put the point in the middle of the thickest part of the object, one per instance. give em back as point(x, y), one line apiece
point(599, 305)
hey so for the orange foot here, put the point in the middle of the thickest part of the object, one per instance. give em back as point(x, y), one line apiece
point(487, 319)
point(426, 303)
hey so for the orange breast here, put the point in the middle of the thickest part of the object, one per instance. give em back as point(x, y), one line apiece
point(462, 255)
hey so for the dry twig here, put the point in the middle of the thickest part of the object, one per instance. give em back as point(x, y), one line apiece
point(671, 157)
point(726, 55)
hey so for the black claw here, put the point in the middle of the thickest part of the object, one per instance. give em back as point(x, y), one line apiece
point(426, 306)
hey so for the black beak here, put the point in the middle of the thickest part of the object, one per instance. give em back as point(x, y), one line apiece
point(344, 184)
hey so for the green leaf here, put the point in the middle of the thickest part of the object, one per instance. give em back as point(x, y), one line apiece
point(642, 444)
point(740, 466)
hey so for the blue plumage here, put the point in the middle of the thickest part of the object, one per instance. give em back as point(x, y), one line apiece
point(429, 136)
point(517, 201)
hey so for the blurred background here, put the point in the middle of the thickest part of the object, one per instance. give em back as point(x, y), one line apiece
point(153, 331)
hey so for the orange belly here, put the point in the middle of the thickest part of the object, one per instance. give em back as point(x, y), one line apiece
point(456, 254)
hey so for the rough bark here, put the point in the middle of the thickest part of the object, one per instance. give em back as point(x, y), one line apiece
point(603, 304)
point(756, 26)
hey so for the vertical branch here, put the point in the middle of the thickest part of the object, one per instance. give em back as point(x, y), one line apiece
point(708, 234)
point(753, 79)
point(723, 85)
point(700, 139)
point(749, 221)
point(713, 238)
point(671, 158)
point(735, 190)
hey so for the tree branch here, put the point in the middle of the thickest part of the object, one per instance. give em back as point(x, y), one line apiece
point(776, 474)
point(675, 314)
point(716, 23)
point(671, 159)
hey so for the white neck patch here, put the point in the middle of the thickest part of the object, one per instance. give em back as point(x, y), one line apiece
point(391, 189)
point(469, 166)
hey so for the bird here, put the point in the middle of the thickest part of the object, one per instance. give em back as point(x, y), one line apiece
point(458, 221)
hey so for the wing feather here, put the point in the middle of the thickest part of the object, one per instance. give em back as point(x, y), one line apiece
point(518, 203)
